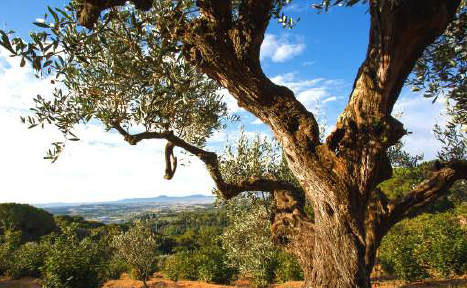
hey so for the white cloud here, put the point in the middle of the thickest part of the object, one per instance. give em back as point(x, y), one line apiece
point(99, 167)
point(311, 96)
point(218, 137)
point(231, 102)
point(280, 49)
point(311, 92)
point(419, 117)
point(257, 122)
point(330, 99)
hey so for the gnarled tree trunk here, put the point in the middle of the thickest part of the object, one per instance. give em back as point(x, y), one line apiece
point(339, 177)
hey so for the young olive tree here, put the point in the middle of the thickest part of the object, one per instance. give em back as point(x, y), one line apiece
point(247, 239)
point(128, 50)
point(138, 249)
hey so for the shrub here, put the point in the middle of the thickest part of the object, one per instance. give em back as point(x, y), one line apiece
point(138, 249)
point(287, 268)
point(213, 266)
point(429, 245)
point(445, 247)
point(28, 260)
point(400, 253)
point(116, 267)
point(181, 266)
point(249, 247)
point(73, 263)
point(208, 265)
point(9, 242)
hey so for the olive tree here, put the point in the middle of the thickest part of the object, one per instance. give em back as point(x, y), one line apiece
point(247, 239)
point(338, 176)
point(138, 249)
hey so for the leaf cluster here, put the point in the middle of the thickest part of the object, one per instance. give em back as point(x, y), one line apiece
point(442, 69)
point(128, 72)
point(255, 157)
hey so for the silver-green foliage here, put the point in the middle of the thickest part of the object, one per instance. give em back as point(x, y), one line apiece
point(255, 157)
point(126, 72)
point(247, 239)
point(442, 70)
point(138, 249)
point(248, 244)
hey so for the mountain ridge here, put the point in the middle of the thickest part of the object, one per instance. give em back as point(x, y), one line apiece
point(194, 198)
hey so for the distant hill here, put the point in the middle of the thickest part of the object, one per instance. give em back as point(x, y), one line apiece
point(197, 198)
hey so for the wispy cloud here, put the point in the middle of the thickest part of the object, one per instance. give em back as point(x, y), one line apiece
point(281, 48)
point(330, 99)
point(311, 92)
point(257, 122)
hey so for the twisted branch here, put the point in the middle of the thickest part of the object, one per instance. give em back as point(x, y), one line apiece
point(290, 227)
point(427, 192)
point(170, 161)
point(210, 159)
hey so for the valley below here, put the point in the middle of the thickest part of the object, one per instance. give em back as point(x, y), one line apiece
point(121, 211)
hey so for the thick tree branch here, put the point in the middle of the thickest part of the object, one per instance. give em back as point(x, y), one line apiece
point(290, 227)
point(210, 159)
point(400, 32)
point(252, 22)
point(237, 67)
point(91, 9)
point(427, 192)
point(217, 11)
point(382, 213)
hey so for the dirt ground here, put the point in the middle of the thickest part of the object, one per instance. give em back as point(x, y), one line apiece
point(20, 283)
point(457, 283)
point(126, 282)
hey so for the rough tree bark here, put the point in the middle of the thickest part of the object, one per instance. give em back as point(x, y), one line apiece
point(339, 177)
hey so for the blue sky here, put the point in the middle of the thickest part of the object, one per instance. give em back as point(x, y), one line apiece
point(318, 60)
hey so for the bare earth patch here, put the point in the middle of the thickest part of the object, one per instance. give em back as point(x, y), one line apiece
point(458, 283)
point(126, 282)
point(26, 282)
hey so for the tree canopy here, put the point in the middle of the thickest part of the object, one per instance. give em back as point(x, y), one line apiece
point(32, 222)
